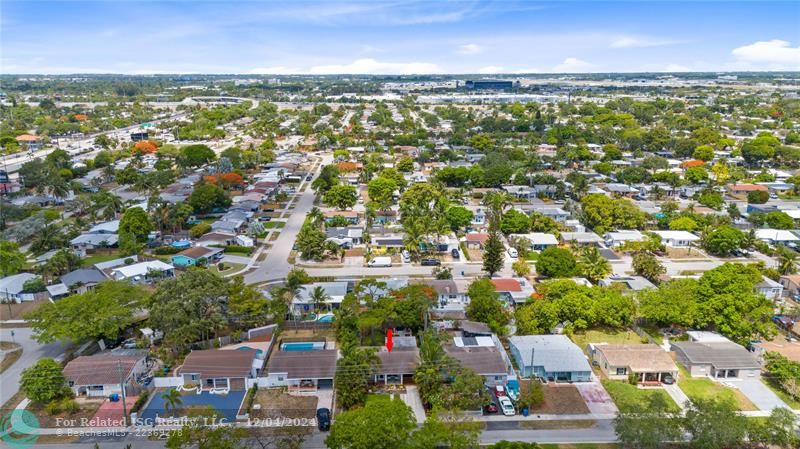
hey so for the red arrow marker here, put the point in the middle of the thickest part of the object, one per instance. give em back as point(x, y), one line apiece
point(389, 342)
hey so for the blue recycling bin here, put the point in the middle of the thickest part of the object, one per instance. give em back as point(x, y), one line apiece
point(525, 411)
point(114, 397)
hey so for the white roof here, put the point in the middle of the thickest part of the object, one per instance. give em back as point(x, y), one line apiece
point(57, 289)
point(140, 269)
point(677, 235)
point(110, 227)
point(706, 337)
point(776, 235)
point(794, 213)
point(625, 235)
point(539, 238)
point(13, 284)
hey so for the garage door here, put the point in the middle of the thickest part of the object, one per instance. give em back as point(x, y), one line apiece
point(325, 383)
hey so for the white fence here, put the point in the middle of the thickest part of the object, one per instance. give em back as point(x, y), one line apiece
point(165, 382)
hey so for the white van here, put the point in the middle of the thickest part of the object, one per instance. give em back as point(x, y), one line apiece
point(380, 262)
point(406, 256)
point(513, 253)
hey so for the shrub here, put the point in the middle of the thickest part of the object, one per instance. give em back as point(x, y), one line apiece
point(199, 229)
point(237, 249)
point(140, 401)
point(757, 197)
point(166, 250)
point(70, 406)
point(53, 407)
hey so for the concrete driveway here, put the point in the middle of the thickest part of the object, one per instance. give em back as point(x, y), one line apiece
point(759, 394)
point(596, 397)
point(31, 352)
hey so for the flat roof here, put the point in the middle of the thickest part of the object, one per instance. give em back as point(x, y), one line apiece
point(481, 359)
point(316, 364)
point(720, 355)
point(218, 363)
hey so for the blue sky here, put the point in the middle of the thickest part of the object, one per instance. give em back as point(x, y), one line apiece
point(400, 36)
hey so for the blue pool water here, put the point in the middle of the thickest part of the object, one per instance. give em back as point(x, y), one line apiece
point(325, 319)
point(310, 346)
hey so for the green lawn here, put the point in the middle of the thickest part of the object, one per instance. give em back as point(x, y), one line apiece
point(97, 258)
point(605, 336)
point(654, 333)
point(705, 388)
point(229, 268)
point(273, 224)
point(792, 403)
point(626, 395)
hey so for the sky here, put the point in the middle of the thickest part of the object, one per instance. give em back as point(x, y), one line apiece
point(396, 36)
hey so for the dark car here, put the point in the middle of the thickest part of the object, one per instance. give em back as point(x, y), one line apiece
point(264, 218)
point(430, 262)
point(308, 178)
point(491, 408)
point(668, 379)
point(323, 419)
point(455, 253)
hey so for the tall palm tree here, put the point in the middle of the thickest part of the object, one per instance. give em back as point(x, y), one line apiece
point(595, 267)
point(172, 400)
point(787, 260)
point(320, 298)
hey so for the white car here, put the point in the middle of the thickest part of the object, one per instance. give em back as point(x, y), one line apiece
point(506, 406)
point(513, 253)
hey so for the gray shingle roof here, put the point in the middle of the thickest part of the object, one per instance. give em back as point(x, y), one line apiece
point(720, 355)
point(555, 353)
point(83, 276)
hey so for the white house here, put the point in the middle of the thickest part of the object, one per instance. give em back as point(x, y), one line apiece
point(619, 238)
point(11, 287)
point(143, 271)
point(538, 240)
point(677, 239)
point(776, 236)
point(99, 375)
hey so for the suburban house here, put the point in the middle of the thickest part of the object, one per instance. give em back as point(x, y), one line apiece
point(349, 215)
point(556, 213)
point(538, 241)
point(553, 358)
point(649, 363)
point(476, 240)
point(86, 243)
point(484, 360)
point(516, 291)
point(677, 239)
point(791, 284)
point(108, 227)
point(776, 236)
point(11, 287)
point(99, 375)
point(82, 279)
point(215, 369)
point(389, 241)
point(397, 366)
point(744, 189)
point(302, 370)
point(712, 355)
point(633, 283)
point(619, 238)
point(451, 294)
point(345, 237)
point(581, 238)
point(217, 239)
point(195, 254)
point(335, 292)
point(143, 271)
point(769, 288)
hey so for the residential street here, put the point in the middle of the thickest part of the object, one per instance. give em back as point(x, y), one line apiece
point(31, 352)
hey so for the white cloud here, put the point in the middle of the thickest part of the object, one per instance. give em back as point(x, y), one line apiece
point(528, 70)
point(275, 70)
point(573, 65)
point(367, 66)
point(775, 54)
point(489, 69)
point(676, 68)
point(469, 49)
point(641, 41)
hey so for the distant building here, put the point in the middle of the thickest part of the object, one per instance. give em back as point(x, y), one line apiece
point(488, 84)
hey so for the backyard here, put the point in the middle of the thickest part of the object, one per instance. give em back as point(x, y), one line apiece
point(705, 388)
point(626, 396)
point(277, 404)
point(582, 339)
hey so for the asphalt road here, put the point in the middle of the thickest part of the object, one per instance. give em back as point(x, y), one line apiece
point(31, 352)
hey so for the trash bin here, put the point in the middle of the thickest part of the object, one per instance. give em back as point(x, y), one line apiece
point(525, 411)
point(114, 397)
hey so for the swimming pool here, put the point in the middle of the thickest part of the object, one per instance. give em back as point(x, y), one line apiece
point(328, 318)
point(303, 346)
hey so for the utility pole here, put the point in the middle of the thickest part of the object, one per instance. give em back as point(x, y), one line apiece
point(122, 388)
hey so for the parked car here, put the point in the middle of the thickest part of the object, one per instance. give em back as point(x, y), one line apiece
point(455, 254)
point(430, 262)
point(323, 419)
point(383, 261)
point(668, 379)
point(406, 256)
point(491, 408)
point(506, 406)
point(308, 178)
point(499, 390)
point(264, 218)
point(513, 253)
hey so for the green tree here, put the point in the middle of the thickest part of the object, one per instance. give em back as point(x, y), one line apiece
point(247, 304)
point(778, 429)
point(172, 400)
point(556, 262)
point(515, 222)
point(593, 265)
point(493, 257)
point(723, 240)
point(136, 222)
point(446, 430)
point(485, 305)
point(713, 424)
point(521, 268)
point(327, 178)
point(646, 265)
point(207, 197)
point(200, 436)
point(196, 155)
point(405, 164)
point(341, 196)
point(380, 424)
point(103, 312)
point(779, 220)
point(704, 153)
point(353, 373)
point(44, 381)
point(648, 424)
point(381, 192)
point(683, 224)
point(459, 217)
point(11, 258)
point(311, 241)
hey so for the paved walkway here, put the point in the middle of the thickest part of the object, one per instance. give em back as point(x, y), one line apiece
point(759, 394)
point(596, 398)
point(677, 395)
point(412, 399)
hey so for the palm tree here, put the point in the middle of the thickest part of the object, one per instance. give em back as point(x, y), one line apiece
point(172, 400)
point(595, 267)
point(787, 260)
point(320, 298)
